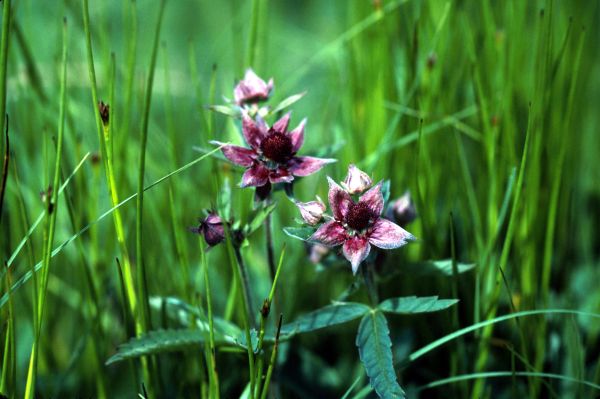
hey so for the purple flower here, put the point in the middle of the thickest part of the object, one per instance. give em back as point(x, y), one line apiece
point(271, 157)
point(252, 89)
point(358, 225)
point(312, 211)
point(211, 228)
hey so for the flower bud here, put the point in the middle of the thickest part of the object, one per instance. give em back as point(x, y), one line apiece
point(402, 210)
point(312, 212)
point(211, 228)
point(356, 181)
point(252, 89)
point(318, 252)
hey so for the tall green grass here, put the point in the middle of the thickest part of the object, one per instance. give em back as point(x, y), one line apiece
point(484, 110)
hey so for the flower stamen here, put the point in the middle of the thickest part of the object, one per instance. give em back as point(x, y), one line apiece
point(277, 147)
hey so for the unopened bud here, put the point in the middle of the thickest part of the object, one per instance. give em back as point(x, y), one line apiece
point(312, 212)
point(402, 210)
point(356, 180)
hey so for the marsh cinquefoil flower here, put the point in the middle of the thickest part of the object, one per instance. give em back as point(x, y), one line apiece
point(358, 225)
point(271, 157)
point(252, 89)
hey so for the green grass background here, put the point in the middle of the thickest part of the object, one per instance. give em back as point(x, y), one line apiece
point(437, 96)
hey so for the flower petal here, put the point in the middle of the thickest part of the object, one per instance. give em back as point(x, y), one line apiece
point(282, 124)
point(374, 199)
point(389, 235)
point(304, 166)
point(339, 200)
point(257, 175)
point(331, 234)
point(297, 136)
point(356, 249)
point(238, 155)
point(280, 175)
point(254, 132)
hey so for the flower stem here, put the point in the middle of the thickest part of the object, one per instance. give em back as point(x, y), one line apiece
point(273, 361)
point(245, 283)
point(269, 239)
point(246, 322)
point(210, 355)
point(369, 277)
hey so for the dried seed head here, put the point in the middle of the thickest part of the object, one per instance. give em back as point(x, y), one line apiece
point(104, 110)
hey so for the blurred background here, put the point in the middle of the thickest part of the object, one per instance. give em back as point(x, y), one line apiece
point(436, 96)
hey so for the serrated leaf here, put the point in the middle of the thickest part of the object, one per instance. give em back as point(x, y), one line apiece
point(159, 341)
point(338, 313)
point(242, 341)
point(301, 233)
point(184, 314)
point(258, 218)
point(226, 110)
point(375, 350)
point(287, 102)
point(413, 304)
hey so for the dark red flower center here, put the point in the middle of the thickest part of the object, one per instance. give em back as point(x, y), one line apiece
point(359, 216)
point(277, 147)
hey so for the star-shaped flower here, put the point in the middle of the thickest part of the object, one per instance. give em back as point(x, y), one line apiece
point(271, 157)
point(358, 225)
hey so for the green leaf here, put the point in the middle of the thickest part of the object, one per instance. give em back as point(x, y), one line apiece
point(287, 102)
point(385, 191)
point(375, 350)
point(443, 266)
point(226, 110)
point(258, 218)
point(184, 314)
point(413, 304)
point(159, 341)
point(338, 313)
point(301, 233)
point(242, 342)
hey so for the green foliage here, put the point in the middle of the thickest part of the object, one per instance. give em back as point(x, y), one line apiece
point(258, 218)
point(443, 267)
point(483, 110)
point(302, 233)
point(232, 111)
point(338, 313)
point(375, 349)
point(413, 304)
point(159, 341)
point(287, 102)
